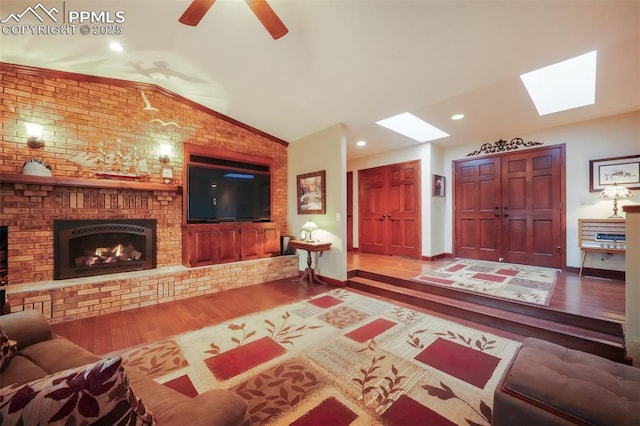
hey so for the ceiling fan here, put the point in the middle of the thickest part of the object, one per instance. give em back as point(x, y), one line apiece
point(198, 8)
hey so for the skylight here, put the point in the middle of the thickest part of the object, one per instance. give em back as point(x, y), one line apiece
point(411, 126)
point(566, 85)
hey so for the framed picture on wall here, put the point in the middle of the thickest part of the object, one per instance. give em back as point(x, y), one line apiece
point(623, 171)
point(439, 186)
point(311, 193)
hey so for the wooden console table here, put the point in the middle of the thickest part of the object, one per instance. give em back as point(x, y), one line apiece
point(601, 236)
point(310, 247)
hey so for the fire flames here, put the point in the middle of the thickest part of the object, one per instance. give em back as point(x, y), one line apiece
point(104, 255)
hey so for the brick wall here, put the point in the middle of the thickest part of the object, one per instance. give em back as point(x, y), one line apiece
point(88, 115)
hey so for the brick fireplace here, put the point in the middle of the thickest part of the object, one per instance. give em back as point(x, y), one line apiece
point(80, 115)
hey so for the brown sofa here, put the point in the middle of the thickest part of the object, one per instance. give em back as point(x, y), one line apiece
point(41, 354)
point(549, 384)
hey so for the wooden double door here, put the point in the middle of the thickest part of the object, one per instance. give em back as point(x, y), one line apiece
point(510, 208)
point(389, 209)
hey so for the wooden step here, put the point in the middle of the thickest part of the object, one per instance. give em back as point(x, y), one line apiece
point(584, 337)
point(538, 311)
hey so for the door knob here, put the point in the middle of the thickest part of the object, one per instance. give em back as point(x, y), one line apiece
point(506, 215)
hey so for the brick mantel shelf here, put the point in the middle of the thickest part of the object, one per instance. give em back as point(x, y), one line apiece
point(47, 183)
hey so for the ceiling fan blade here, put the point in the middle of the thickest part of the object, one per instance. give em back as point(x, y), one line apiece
point(268, 18)
point(195, 12)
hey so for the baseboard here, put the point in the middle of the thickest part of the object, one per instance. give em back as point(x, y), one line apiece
point(437, 257)
point(599, 273)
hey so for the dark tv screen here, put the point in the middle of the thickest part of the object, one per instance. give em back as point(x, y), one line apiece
point(222, 194)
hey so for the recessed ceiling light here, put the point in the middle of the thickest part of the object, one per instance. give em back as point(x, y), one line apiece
point(566, 85)
point(411, 126)
point(457, 116)
point(115, 46)
point(361, 143)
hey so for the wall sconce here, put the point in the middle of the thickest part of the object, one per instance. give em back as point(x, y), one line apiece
point(34, 131)
point(308, 229)
point(165, 153)
point(614, 192)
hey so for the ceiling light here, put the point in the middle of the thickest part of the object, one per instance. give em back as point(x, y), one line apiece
point(411, 126)
point(562, 86)
point(115, 46)
point(457, 116)
point(361, 143)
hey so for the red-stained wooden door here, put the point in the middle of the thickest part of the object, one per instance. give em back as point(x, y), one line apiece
point(477, 208)
point(510, 208)
point(389, 209)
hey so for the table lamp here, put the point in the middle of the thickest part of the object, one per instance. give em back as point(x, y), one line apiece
point(614, 192)
point(309, 227)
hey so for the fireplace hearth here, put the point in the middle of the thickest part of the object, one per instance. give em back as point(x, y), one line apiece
point(84, 248)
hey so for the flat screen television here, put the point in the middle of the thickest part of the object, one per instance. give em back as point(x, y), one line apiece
point(223, 194)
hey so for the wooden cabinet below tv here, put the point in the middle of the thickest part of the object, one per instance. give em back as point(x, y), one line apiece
point(212, 243)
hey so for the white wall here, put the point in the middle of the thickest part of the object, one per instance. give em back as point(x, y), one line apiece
point(324, 150)
point(603, 138)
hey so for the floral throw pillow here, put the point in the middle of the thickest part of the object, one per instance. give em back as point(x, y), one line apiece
point(97, 393)
point(8, 348)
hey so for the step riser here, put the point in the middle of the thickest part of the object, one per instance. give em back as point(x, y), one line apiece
point(594, 324)
point(603, 349)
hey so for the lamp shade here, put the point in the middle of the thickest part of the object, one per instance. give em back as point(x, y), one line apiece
point(310, 226)
point(614, 192)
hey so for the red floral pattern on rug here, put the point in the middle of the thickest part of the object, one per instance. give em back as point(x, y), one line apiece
point(316, 362)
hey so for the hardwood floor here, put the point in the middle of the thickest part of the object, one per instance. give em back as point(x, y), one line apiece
point(587, 296)
point(107, 333)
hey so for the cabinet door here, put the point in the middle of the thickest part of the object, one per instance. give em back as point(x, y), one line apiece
point(260, 240)
point(251, 242)
point(213, 244)
point(271, 242)
point(202, 247)
point(227, 248)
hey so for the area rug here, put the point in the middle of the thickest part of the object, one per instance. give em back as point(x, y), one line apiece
point(338, 358)
point(530, 284)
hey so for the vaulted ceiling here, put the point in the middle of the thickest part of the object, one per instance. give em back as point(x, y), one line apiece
point(353, 62)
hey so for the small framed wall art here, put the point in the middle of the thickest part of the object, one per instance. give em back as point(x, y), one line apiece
point(311, 193)
point(439, 186)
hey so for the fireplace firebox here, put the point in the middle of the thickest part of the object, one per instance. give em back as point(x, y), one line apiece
point(84, 248)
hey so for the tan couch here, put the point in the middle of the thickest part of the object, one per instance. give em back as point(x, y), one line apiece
point(41, 354)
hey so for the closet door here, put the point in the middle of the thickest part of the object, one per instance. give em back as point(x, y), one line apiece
point(509, 208)
point(403, 209)
point(372, 202)
point(477, 208)
point(532, 208)
point(389, 209)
